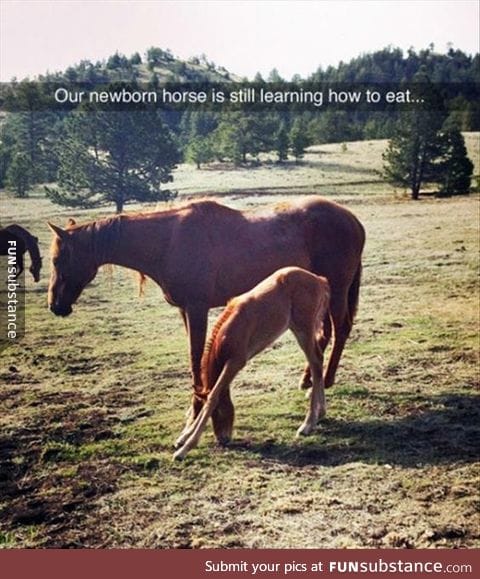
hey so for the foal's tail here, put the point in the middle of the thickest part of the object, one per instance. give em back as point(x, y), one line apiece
point(353, 293)
point(213, 359)
point(212, 366)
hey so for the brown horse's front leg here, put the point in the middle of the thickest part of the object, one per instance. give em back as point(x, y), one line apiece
point(195, 318)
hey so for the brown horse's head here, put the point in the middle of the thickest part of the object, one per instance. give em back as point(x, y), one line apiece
point(73, 267)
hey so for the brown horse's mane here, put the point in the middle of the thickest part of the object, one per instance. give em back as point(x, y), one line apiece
point(105, 232)
point(99, 234)
point(204, 206)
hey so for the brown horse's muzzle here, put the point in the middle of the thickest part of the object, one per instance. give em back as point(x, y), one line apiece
point(61, 310)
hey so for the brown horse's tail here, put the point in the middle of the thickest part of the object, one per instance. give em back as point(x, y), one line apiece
point(353, 293)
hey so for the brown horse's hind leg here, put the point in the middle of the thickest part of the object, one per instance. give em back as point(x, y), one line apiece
point(343, 309)
point(342, 325)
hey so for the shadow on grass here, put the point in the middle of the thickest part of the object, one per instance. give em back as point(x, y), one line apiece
point(450, 434)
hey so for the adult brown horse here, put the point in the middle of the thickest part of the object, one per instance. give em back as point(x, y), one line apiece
point(204, 253)
point(30, 244)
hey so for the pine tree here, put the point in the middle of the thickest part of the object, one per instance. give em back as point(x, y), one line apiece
point(199, 151)
point(240, 134)
point(456, 167)
point(114, 156)
point(136, 59)
point(411, 158)
point(274, 76)
point(281, 143)
point(19, 177)
point(29, 133)
point(299, 139)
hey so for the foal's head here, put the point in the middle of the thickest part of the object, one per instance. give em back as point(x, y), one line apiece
point(73, 267)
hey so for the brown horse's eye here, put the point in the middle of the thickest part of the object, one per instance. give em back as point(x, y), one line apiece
point(55, 261)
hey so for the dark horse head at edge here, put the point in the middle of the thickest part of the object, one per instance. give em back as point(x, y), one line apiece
point(30, 244)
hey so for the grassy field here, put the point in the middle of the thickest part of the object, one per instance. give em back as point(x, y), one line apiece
point(91, 404)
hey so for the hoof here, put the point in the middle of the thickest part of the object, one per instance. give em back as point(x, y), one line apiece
point(179, 442)
point(223, 441)
point(304, 430)
point(179, 455)
point(305, 384)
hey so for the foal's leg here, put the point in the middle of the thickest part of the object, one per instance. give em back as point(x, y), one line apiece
point(317, 407)
point(192, 436)
point(340, 325)
point(323, 340)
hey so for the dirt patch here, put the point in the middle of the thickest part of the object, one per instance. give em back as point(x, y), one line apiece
point(56, 504)
point(43, 481)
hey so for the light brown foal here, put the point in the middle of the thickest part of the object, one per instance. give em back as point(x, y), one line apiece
point(291, 298)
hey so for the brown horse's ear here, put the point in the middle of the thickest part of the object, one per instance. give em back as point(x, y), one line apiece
point(59, 232)
point(71, 222)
